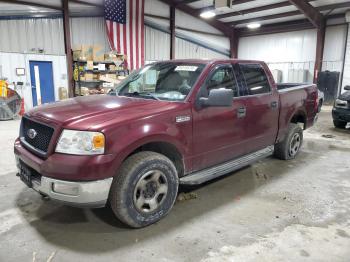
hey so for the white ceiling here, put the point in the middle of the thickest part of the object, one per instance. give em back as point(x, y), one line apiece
point(9, 9)
point(259, 3)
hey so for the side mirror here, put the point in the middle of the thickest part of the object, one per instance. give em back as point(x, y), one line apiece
point(217, 97)
point(347, 88)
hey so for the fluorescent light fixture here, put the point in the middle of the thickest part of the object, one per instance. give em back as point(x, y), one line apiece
point(253, 25)
point(208, 14)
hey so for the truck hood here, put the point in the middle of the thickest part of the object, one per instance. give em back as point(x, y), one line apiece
point(90, 111)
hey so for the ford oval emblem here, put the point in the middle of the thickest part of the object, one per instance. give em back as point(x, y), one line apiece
point(31, 133)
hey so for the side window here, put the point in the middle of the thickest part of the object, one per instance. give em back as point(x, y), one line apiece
point(222, 77)
point(255, 78)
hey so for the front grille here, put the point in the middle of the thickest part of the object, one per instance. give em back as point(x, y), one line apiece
point(41, 140)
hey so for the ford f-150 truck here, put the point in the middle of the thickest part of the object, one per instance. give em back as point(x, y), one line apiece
point(169, 123)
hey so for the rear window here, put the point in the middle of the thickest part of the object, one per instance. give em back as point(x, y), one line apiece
point(255, 78)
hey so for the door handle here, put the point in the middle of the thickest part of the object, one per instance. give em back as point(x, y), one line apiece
point(241, 112)
point(274, 104)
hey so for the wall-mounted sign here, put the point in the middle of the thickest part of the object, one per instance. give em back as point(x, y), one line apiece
point(20, 71)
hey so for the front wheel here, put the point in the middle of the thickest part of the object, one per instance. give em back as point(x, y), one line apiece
point(339, 124)
point(145, 189)
point(290, 146)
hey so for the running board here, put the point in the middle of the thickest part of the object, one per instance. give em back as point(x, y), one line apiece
point(205, 175)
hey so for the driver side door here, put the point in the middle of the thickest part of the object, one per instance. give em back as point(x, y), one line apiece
point(218, 132)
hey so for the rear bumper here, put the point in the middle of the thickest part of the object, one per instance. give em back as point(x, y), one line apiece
point(341, 114)
point(82, 181)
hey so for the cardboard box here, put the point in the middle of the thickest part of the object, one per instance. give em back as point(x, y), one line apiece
point(113, 76)
point(110, 80)
point(77, 55)
point(98, 54)
point(89, 76)
point(62, 93)
point(90, 65)
point(83, 52)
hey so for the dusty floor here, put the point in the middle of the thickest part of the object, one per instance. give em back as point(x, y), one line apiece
point(271, 211)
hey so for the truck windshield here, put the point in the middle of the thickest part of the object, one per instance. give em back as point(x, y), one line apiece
point(161, 81)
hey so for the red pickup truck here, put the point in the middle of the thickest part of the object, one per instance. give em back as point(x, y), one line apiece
point(169, 123)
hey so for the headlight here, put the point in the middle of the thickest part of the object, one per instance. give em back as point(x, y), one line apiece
point(81, 143)
point(340, 103)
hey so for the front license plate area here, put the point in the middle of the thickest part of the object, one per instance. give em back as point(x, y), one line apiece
point(25, 175)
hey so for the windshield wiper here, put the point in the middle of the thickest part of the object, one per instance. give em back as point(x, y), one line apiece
point(137, 94)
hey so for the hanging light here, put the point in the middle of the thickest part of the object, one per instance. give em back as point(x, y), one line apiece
point(207, 13)
point(254, 25)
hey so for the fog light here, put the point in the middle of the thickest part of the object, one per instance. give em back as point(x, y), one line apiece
point(66, 189)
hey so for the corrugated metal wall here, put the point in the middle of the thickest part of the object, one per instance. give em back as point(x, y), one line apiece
point(157, 45)
point(334, 48)
point(185, 49)
point(295, 51)
point(89, 30)
point(10, 61)
point(284, 51)
point(25, 34)
point(346, 77)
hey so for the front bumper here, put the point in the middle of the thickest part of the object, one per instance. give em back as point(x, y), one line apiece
point(92, 194)
point(82, 181)
point(341, 114)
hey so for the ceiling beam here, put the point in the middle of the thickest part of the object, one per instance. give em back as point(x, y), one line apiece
point(86, 3)
point(311, 13)
point(289, 26)
point(263, 18)
point(256, 9)
point(234, 2)
point(20, 2)
point(286, 14)
point(226, 30)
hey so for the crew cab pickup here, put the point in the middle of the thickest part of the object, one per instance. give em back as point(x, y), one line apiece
point(169, 123)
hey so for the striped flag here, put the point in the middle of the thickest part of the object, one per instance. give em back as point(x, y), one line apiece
point(125, 29)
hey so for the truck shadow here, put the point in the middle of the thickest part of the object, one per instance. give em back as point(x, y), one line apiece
point(97, 231)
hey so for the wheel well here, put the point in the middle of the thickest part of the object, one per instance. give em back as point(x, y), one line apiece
point(299, 118)
point(166, 149)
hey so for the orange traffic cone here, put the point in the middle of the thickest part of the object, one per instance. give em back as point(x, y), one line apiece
point(21, 112)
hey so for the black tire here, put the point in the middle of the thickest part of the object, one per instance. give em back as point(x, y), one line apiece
point(339, 124)
point(132, 185)
point(283, 149)
point(320, 106)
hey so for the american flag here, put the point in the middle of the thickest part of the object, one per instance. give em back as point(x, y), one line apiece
point(125, 29)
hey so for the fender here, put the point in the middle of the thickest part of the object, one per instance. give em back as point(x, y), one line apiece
point(138, 134)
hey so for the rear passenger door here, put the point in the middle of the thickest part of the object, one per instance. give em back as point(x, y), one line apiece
point(261, 104)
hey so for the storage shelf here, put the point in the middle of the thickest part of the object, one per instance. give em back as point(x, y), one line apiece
point(104, 71)
point(95, 62)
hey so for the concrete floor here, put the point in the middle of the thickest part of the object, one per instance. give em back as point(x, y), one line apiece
point(271, 211)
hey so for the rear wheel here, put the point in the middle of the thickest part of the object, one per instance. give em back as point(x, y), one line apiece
point(145, 189)
point(290, 146)
point(339, 124)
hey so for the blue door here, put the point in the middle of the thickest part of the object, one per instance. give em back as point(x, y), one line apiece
point(41, 77)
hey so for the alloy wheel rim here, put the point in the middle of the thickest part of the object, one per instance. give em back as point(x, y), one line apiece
point(294, 144)
point(150, 191)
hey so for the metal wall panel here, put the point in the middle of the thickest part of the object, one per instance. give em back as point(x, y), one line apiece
point(25, 34)
point(89, 31)
point(346, 76)
point(157, 45)
point(185, 49)
point(10, 61)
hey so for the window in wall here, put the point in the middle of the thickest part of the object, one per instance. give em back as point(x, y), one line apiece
point(255, 78)
point(223, 77)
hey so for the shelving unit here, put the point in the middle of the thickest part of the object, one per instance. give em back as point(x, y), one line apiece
point(97, 85)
